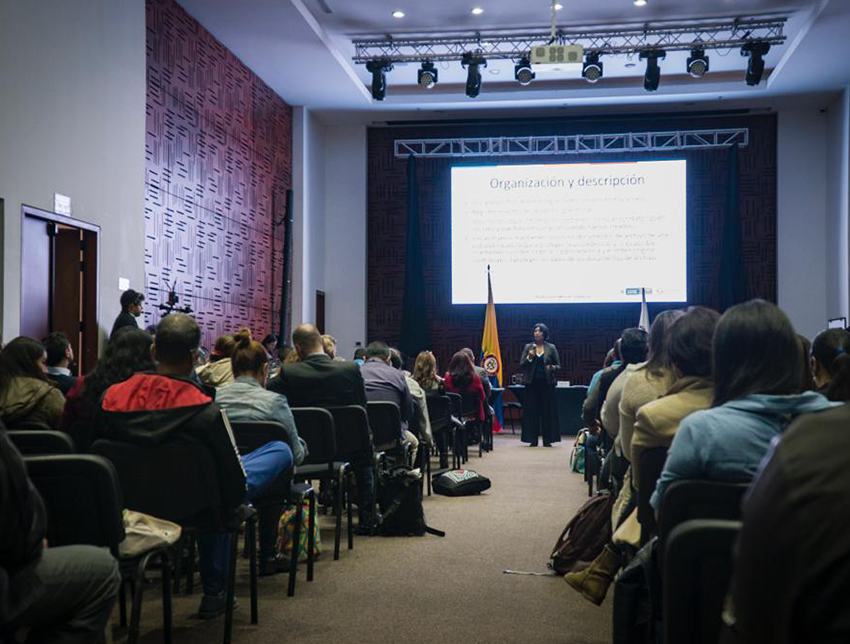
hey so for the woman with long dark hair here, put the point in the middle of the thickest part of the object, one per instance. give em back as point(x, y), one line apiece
point(462, 379)
point(128, 352)
point(26, 394)
point(538, 364)
point(756, 373)
point(831, 364)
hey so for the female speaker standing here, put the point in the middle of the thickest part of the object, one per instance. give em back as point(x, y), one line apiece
point(538, 363)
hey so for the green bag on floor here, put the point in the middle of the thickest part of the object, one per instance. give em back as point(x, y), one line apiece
point(286, 530)
point(577, 456)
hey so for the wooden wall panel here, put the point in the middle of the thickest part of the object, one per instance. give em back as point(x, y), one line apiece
point(583, 333)
point(218, 164)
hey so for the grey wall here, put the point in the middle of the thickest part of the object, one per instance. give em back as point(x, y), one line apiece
point(838, 205)
point(72, 120)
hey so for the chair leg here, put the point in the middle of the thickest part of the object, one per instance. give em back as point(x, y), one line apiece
point(340, 493)
point(311, 535)
point(190, 569)
point(251, 542)
point(231, 591)
point(428, 472)
point(350, 528)
point(166, 595)
point(138, 588)
point(296, 540)
point(122, 604)
point(178, 563)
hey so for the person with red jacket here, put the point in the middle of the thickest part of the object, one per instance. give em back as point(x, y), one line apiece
point(462, 379)
point(151, 409)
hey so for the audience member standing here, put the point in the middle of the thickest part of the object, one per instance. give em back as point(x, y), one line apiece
point(60, 355)
point(63, 594)
point(756, 379)
point(831, 363)
point(157, 408)
point(131, 308)
point(538, 363)
point(318, 381)
point(26, 394)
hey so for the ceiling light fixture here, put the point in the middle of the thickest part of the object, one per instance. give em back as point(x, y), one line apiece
point(755, 49)
point(697, 63)
point(640, 3)
point(398, 14)
point(477, 11)
point(379, 69)
point(523, 73)
point(592, 68)
point(558, 6)
point(653, 72)
point(473, 64)
point(427, 75)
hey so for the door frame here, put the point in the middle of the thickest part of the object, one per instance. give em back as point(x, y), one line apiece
point(91, 282)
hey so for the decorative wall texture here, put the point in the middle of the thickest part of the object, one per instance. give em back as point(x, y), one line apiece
point(218, 156)
point(583, 333)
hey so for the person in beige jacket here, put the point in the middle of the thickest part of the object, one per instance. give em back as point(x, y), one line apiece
point(26, 394)
point(218, 371)
point(689, 348)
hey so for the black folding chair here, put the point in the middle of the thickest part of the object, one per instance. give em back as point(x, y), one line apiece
point(253, 434)
point(385, 423)
point(34, 442)
point(461, 446)
point(84, 506)
point(469, 416)
point(697, 571)
point(440, 414)
point(651, 465)
point(179, 482)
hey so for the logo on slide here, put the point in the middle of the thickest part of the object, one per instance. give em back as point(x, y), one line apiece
point(491, 364)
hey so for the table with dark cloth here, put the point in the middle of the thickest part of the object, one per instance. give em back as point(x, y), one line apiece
point(568, 402)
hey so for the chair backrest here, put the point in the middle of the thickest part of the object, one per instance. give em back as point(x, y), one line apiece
point(651, 465)
point(316, 426)
point(251, 434)
point(28, 424)
point(353, 434)
point(83, 499)
point(385, 421)
point(697, 570)
point(32, 442)
point(457, 403)
point(469, 404)
point(439, 411)
point(175, 481)
point(686, 500)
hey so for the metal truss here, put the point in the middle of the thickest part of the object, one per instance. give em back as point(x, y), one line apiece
point(571, 144)
point(723, 34)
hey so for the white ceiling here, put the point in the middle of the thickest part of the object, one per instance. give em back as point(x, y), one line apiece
point(304, 53)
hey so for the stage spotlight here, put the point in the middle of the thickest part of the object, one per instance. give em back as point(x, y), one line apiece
point(379, 69)
point(523, 73)
point(653, 72)
point(427, 75)
point(592, 68)
point(755, 49)
point(697, 63)
point(473, 63)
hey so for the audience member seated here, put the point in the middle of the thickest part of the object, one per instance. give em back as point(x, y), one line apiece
point(425, 373)
point(831, 364)
point(420, 403)
point(383, 382)
point(131, 308)
point(612, 361)
point(26, 394)
point(792, 568)
point(151, 409)
point(649, 381)
point(689, 352)
point(318, 381)
point(360, 355)
point(270, 347)
point(462, 379)
point(756, 380)
point(63, 594)
point(807, 379)
point(128, 352)
point(218, 371)
point(482, 376)
point(60, 355)
point(329, 344)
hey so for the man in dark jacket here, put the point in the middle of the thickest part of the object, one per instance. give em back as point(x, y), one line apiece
point(131, 308)
point(319, 381)
point(792, 569)
point(60, 355)
point(63, 594)
point(151, 409)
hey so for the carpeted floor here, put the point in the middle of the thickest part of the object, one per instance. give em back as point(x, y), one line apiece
point(428, 589)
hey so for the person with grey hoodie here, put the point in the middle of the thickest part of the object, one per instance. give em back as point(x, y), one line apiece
point(756, 384)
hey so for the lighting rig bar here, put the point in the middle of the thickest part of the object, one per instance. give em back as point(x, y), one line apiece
point(572, 143)
point(722, 34)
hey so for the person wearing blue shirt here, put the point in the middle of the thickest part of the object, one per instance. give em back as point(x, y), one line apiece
point(756, 375)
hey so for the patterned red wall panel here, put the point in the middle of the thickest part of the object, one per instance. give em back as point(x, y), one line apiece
point(582, 332)
point(218, 164)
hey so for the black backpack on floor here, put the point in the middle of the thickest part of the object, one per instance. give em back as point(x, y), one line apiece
point(400, 501)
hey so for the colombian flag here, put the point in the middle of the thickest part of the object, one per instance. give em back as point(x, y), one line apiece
point(491, 357)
